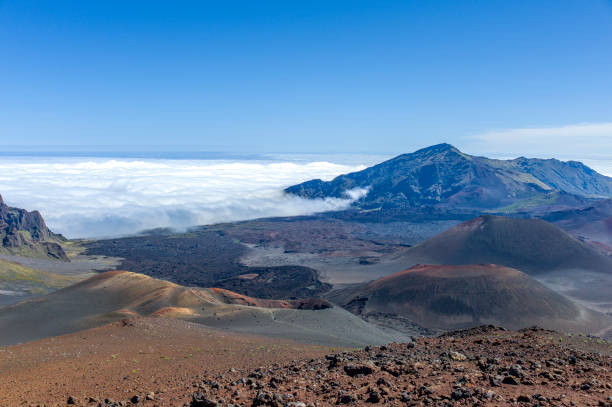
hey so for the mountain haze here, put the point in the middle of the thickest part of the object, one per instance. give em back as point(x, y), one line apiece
point(592, 223)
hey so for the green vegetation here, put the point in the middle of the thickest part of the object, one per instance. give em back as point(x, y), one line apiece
point(15, 277)
point(547, 198)
point(189, 235)
point(72, 247)
point(51, 248)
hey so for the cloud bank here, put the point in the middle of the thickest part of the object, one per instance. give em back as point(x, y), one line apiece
point(574, 140)
point(101, 197)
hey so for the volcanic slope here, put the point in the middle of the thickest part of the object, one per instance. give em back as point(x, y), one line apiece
point(115, 295)
point(207, 258)
point(530, 245)
point(442, 176)
point(592, 223)
point(18, 282)
point(451, 297)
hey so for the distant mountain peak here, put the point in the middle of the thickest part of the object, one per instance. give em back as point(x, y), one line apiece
point(442, 176)
point(436, 149)
point(439, 147)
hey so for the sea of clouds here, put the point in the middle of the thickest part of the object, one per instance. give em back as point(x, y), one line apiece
point(89, 197)
point(102, 197)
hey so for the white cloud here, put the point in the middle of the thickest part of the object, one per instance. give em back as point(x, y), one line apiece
point(570, 141)
point(99, 197)
point(357, 193)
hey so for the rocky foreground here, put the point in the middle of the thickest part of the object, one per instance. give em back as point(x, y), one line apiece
point(480, 366)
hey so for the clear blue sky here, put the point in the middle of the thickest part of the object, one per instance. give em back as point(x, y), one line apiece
point(309, 76)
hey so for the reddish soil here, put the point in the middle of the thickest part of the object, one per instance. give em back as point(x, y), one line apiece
point(231, 297)
point(179, 364)
point(448, 271)
point(135, 356)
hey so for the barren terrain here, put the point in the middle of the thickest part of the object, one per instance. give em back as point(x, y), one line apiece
point(114, 295)
point(139, 356)
point(480, 366)
point(452, 297)
point(171, 363)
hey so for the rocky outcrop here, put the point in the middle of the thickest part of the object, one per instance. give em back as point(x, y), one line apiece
point(24, 232)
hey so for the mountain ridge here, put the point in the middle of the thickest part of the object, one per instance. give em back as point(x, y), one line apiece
point(442, 176)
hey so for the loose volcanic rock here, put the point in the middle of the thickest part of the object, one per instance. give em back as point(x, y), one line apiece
point(524, 368)
point(359, 369)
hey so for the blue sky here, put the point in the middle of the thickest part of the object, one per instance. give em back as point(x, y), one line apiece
point(311, 76)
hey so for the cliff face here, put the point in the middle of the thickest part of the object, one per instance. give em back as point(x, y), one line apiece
point(25, 233)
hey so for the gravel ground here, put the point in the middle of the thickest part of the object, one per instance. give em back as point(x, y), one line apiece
point(158, 362)
point(476, 367)
point(135, 356)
